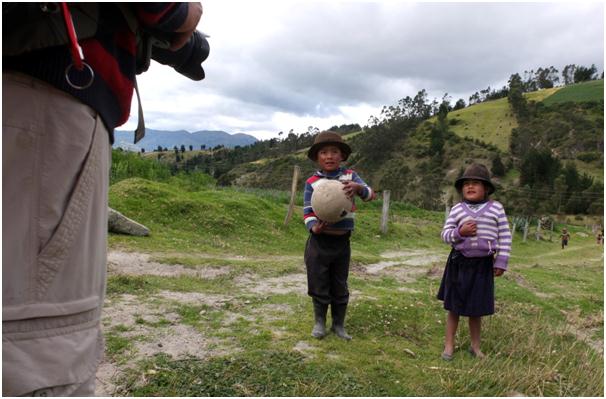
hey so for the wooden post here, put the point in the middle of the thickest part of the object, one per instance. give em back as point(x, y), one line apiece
point(525, 230)
point(551, 231)
point(293, 193)
point(385, 212)
point(538, 233)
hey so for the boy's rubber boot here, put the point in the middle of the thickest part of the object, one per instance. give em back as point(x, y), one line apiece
point(338, 320)
point(319, 330)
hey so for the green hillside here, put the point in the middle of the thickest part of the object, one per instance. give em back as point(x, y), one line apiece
point(492, 121)
point(489, 121)
point(586, 91)
point(240, 220)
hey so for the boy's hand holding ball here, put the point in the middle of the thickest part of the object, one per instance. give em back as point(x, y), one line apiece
point(319, 227)
point(352, 188)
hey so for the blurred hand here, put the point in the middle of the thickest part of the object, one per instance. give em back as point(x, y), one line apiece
point(319, 227)
point(468, 229)
point(352, 188)
point(184, 32)
point(498, 272)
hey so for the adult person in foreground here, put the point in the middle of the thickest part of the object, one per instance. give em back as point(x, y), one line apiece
point(59, 110)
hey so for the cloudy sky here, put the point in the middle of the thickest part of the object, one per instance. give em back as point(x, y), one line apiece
point(276, 66)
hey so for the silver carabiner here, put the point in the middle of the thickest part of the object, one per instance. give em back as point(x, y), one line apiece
point(84, 86)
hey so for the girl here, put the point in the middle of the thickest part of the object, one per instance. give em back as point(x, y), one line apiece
point(478, 231)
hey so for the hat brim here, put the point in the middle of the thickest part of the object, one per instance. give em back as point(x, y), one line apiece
point(459, 183)
point(312, 153)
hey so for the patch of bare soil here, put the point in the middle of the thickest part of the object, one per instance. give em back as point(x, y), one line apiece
point(196, 298)
point(152, 327)
point(286, 284)
point(585, 328)
point(404, 254)
point(405, 266)
point(305, 348)
point(133, 263)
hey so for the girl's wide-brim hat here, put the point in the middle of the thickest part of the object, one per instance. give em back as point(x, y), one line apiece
point(475, 171)
point(328, 138)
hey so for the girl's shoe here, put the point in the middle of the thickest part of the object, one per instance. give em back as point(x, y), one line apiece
point(447, 357)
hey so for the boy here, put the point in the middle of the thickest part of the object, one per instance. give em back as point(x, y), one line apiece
point(564, 237)
point(327, 251)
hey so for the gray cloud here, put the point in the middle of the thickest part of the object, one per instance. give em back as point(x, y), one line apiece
point(311, 58)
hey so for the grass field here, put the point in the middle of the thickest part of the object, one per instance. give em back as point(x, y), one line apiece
point(586, 91)
point(218, 306)
point(490, 122)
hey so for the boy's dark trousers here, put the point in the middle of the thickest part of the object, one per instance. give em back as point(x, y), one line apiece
point(327, 262)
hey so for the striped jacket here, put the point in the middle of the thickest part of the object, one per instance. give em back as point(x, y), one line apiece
point(110, 53)
point(341, 174)
point(493, 236)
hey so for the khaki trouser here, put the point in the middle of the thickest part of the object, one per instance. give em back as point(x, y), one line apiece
point(55, 167)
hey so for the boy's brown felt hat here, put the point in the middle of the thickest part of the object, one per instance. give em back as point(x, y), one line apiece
point(328, 137)
point(476, 171)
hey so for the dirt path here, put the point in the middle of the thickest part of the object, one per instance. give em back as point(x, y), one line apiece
point(155, 325)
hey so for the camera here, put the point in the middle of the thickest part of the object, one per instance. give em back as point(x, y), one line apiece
point(187, 60)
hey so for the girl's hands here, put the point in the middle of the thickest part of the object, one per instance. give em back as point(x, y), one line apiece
point(468, 229)
point(352, 188)
point(319, 227)
point(498, 272)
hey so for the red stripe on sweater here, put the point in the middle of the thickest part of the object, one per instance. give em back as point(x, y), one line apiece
point(310, 214)
point(313, 179)
point(105, 65)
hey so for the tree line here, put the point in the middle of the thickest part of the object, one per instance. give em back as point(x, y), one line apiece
point(401, 150)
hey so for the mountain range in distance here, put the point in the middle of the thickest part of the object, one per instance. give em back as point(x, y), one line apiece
point(169, 139)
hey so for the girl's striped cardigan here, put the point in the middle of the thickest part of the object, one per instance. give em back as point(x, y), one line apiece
point(493, 236)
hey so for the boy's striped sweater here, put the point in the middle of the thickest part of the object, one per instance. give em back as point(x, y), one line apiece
point(341, 174)
point(493, 235)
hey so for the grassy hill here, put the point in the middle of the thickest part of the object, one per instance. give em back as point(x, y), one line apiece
point(492, 121)
point(239, 220)
point(586, 91)
point(247, 328)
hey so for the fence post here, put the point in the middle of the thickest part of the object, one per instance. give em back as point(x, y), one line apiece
point(525, 230)
point(293, 193)
point(385, 211)
point(538, 233)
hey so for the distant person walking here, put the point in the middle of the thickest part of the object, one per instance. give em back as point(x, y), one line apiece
point(478, 231)
point(600, 237)
point(564, 237)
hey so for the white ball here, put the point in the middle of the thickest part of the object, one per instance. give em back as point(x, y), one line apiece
point(329, 201)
